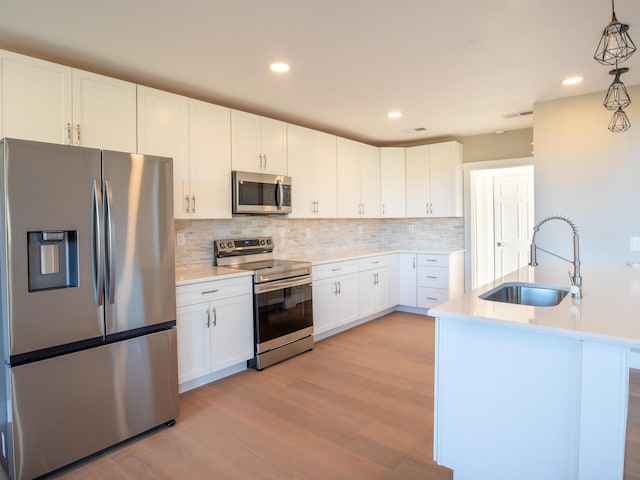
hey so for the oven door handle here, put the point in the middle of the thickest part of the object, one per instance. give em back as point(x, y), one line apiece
point(273, 286)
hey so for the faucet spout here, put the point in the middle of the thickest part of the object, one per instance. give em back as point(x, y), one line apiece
point(576, 278)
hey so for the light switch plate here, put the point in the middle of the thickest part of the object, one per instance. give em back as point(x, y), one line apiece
point(634, 244)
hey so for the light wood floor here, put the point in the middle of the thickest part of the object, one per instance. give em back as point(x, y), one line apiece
point(359, 406)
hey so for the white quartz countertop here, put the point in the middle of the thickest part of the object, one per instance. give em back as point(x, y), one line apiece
point(188, 276)
point(339, 256)
point(609, 309)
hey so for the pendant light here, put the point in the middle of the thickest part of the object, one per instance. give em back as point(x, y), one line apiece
point(619, 122)
point(617, 96)
point(615, 44)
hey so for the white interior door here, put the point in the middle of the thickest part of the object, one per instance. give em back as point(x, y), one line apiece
point(513, 222)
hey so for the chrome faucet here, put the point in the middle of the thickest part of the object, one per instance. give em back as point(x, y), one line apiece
point(576, 279)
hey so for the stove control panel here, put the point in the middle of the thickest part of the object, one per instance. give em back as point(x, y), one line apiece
point(242, 246)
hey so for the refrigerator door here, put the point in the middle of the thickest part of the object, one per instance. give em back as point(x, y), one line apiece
point(49, 199)
point(140, 269)
point(71, 406)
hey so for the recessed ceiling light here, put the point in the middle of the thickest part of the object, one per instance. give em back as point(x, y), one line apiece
point(394, 114)
point(572, 81)
point(280, 67)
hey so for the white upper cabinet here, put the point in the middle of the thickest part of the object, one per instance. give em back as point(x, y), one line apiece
point(197, 136)
point(209, 160)
point(258, 144)
point(445, 171)
point(434, 180)
point(358, 180)
point(47, 102)
point(371, 206)
point(392, 182)
point(104, 112)
point(311, 157)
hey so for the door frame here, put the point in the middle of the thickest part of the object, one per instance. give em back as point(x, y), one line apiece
point(476, 208)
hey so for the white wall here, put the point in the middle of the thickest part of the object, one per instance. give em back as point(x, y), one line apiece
point(589, 174)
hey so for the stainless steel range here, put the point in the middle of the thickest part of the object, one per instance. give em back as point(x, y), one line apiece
point(282, 303)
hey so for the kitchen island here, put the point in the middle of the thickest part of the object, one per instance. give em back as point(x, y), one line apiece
point(537, 392)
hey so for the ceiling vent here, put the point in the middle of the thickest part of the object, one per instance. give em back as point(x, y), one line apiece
point(521, 114)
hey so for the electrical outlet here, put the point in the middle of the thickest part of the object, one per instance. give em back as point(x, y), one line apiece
point(360, 229)
point(634, 244)
point(307, 232)
point(180, 239)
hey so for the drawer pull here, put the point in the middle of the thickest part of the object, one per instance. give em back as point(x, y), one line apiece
point(431, 260)
point(431, 298)
point(209, 291)
point(336, 269)
point(430, 276)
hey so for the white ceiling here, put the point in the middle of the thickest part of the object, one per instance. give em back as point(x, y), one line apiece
point(455, 67)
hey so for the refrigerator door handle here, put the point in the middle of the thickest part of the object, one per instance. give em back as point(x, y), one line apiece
point(109, 263)
point(96, 246)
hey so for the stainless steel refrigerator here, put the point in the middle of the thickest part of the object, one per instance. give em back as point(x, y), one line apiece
point(87, 302)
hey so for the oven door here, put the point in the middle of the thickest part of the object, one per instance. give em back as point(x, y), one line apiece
point(283, 312)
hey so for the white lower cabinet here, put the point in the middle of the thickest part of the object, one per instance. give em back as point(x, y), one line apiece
point(335, 295)
point(215, 328)
point(373, 285)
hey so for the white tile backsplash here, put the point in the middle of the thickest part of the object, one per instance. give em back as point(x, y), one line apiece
point(318, 236)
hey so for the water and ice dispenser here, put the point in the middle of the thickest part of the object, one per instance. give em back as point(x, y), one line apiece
point(53, 259)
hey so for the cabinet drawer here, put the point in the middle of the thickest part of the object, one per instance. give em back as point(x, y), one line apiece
point(430, 297)
point(433, 260)
point(213, 290)
point(435, 277)
point(329, 270)
point(373, 262)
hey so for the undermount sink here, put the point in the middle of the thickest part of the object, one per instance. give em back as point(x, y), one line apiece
point(526, 294)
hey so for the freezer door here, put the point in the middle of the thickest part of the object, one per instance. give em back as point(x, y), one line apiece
point(140, 269)
point(49, 189)
point(71, 406)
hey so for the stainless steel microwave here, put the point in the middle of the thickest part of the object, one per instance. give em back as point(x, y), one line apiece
point(260, 193)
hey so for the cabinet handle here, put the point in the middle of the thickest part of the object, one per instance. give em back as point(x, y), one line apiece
point(336, 269)
point(431, 298)
point(209, 291)
point(430, 276)
point(186, 203)
point(78, 133)
point(215, 317)
point(413, 263)
point(208, 318)
point(375, 279)
point(265, 160)
point(383, 209)
point(69, 141)
point(430, 208)
point(193, 198)
point(335, 290)
point(339, 288)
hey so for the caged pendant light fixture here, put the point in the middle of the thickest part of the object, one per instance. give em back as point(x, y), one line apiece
point(619, 122)
point(617, 96)
point(615, 44)
point(615, 47)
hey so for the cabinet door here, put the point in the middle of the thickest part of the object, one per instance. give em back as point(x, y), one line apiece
point(231, 331)
point(300, 157)
point(348, 298)
point(417, 178)
point(381, 298)
point(325, 305)
point(163, 129)
point(393, 279)
point(273, 137)
point(407, 279)
point(35, 99)
point(246, 153)
point(325, 186)
point(445, 179)
point(370, 181)
point(373, 291)
point(209, 160)
point(193, 341)
point(104, 112)
point(392, 182)
point(348, 175)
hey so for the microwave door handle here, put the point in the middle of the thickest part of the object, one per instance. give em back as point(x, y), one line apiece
point(279, 194)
